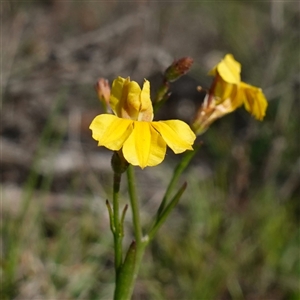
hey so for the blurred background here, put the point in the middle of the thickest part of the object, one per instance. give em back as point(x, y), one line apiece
point(235, 232)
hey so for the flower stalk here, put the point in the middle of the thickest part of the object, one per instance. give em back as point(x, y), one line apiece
point(134, 205)
point(118, 235)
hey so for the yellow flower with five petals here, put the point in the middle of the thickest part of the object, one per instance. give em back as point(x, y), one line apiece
point(132, 129)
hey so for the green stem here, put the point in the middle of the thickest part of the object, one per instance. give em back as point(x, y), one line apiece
point(134, 205)
point(188, 155)
point(162, 91)
point(116, 220)
point(160, 103)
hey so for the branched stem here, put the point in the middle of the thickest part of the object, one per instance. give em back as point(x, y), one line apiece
point(128, 272)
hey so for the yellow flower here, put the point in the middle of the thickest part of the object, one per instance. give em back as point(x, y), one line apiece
point(228, 84)
point(226, 94)
point(131, 129)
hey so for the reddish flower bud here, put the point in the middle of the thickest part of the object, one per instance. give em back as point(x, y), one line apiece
point(178, 68)
point(103, 91)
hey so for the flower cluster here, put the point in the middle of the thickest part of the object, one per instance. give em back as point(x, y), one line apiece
point(143, 142)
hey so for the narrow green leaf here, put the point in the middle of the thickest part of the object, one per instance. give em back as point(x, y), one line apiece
point(164, 214)
point(188, 155)
point(125, 275)
point(111, 217)
point(122, 219)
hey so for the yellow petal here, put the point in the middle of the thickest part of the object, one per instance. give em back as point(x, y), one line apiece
point(137, 146)
point(229, 69)
point(146, 111)
point(237, 97)
point(158, 148)
point(139, 105)
point(134, 92)
point(223, 90)
point(255, 101)
point(177, 134)
point(133, 103)
point(116, 94)
point(111, 131)
point(144, 147)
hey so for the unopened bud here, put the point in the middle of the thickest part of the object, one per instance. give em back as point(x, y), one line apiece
point(178, 68)
point(103, 91)
point(118, 162)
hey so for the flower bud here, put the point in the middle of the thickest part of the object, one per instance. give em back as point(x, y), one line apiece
point(178, 68)
point(103, 91)
point(118, 163)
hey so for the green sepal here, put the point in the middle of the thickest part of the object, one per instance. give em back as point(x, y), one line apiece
point(118, 163)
